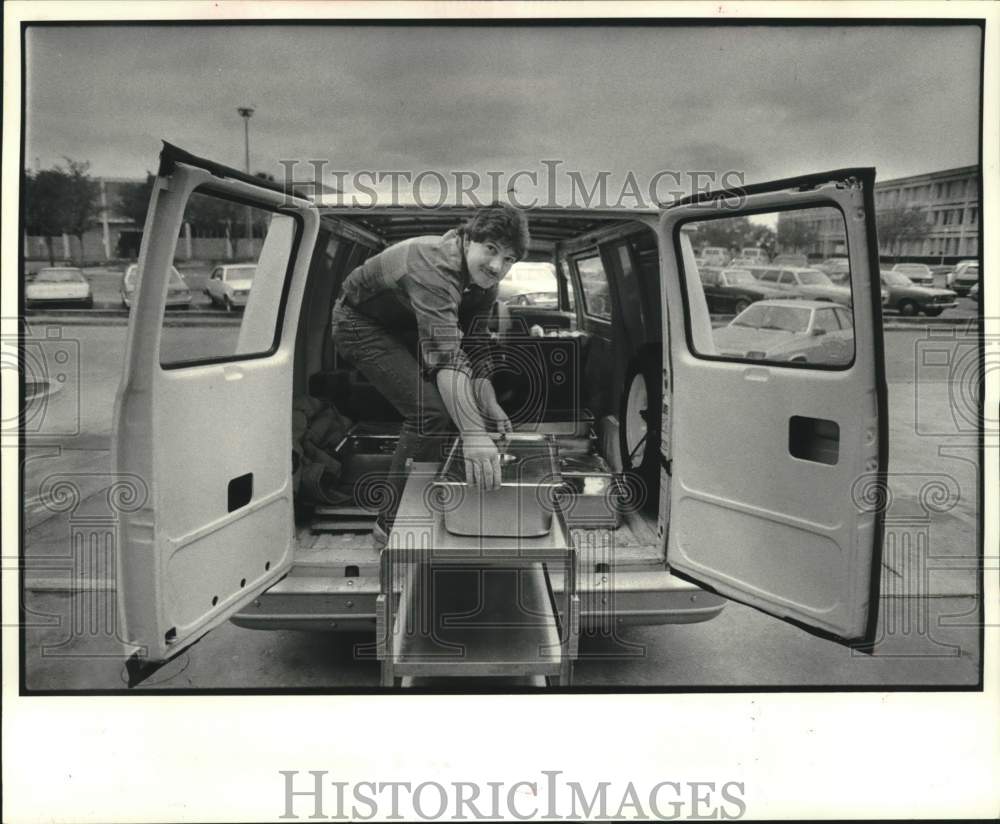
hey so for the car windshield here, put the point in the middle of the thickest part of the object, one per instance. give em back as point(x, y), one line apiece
point(240, 272)
point(918, 268)
point(543, 300)
point(735, 276)
point(130, 273)
point(971, 270)
point(896, 279)
point(531, 270)
point(59, 276)
point(771, 317)
point(813, 277)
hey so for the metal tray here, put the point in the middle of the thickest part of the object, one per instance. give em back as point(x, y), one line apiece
point(363, 454)
point(521, 507)
point(591, 493)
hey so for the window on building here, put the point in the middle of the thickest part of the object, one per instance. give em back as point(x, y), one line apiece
point(973, 216)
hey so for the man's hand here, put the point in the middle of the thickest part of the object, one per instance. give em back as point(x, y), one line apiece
point(482, 461)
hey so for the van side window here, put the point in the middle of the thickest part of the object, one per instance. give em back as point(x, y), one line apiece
point(594, 284)
point(768, 325)
point(240, 256)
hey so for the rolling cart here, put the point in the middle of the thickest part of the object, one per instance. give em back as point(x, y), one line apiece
point(473, 606)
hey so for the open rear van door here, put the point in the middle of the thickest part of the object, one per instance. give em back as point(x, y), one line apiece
point(778, 416)
point(203, 413)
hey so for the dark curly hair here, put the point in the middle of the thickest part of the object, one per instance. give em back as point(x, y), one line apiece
point(500, 223)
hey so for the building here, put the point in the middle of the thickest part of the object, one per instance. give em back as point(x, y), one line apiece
point(950, 201)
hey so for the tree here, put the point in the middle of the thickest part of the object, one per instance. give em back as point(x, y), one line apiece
point(762, 237)
point(730, 233)
point(900, 223)
point(796, 234)
point(46, 206)
point(133, 202)
point(81, 198)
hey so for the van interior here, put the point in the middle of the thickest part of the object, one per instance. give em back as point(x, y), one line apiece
point(583, 366)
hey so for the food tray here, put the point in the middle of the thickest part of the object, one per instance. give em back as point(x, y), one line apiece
point(521, 507)
point(591, 494)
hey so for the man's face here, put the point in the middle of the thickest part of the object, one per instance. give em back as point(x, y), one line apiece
point(488, 261)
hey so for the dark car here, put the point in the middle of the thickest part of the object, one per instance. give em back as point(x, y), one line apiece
point(730, 291)
point(907, 298)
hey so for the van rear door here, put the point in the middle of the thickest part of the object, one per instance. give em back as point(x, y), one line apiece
point(203, 413)
point(777, 444)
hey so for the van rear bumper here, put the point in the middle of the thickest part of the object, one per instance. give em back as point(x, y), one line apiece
point(608, 599)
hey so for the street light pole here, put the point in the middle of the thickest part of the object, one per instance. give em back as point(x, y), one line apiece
point(246, 112)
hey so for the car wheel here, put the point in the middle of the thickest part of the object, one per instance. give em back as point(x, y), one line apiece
point(908, 308)
point(639, 430)
point(741, 305)
point(933, 313)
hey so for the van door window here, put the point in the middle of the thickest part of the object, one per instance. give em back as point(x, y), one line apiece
point(594, 284)
point(247, 250)
point(780, 327)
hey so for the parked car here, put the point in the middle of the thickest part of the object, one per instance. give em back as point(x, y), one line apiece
point(919, 273)
point(909, 298)
point(733, 290)
point(800, 261)
point(178, 293)
point(942, 275)
point(795, 281)
point(540, 300)
point(964, 276)
point(714, 256)
point(527, 278)
point(837, 269)
point(60, 285)
point(798, 331)
point(229, 286)
point(753, 254)
point(210, 430)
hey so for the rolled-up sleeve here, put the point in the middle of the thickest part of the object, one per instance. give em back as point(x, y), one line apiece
point(439, 335)
point(474, 318)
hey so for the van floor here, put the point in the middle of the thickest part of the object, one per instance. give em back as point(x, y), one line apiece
point(634, 545)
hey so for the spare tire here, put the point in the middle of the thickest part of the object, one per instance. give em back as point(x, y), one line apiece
point(639, 417)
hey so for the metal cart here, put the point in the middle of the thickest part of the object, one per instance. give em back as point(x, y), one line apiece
point(460, 606)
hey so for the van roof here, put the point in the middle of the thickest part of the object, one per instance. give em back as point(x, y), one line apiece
point(547, 224)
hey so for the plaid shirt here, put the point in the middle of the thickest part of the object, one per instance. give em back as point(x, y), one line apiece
point(419, 291)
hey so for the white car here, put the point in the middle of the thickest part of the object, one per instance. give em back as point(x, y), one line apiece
point(964, 276)
point(210, 431)
point(714, 256)
point(527, 278)
point(919, 273)
point(178, 293)
point(229, 286)
point(59, 285)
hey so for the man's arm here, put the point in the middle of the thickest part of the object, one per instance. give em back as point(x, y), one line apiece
point(482, 460)
point(489, 406)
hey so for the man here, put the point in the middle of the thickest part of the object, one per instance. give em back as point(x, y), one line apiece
point(400, 320)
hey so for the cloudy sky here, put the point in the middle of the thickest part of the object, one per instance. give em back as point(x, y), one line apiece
point(765, 101)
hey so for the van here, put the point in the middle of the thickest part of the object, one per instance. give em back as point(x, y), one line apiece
point(744, 479)
point(714, 256)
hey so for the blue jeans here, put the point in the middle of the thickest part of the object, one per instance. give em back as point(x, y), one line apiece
point(393, 370)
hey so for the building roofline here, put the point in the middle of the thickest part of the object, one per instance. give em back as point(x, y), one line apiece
point(958, 170)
